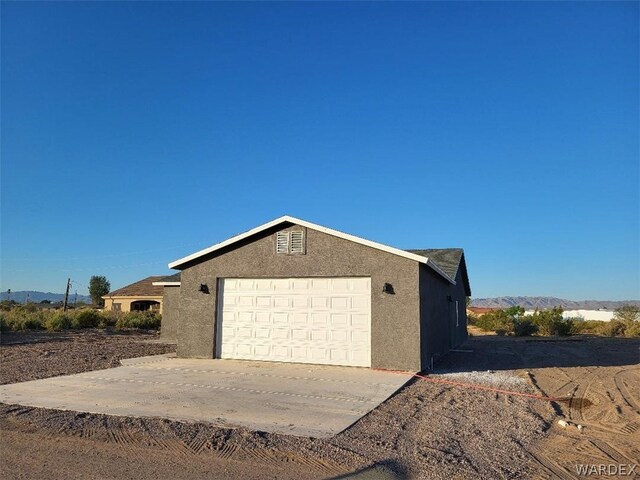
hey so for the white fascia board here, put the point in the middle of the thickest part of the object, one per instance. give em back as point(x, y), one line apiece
point(218, 246)
point(166, 284)
point(313, 226)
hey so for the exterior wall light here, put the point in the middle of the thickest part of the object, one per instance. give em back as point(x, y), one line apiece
point(388, 288)
point(204, 288)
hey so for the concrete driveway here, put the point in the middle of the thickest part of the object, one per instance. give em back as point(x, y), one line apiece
point(294, 399)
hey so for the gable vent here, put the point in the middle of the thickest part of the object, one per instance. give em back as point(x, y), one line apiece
point(282, 242)
point(297, 242)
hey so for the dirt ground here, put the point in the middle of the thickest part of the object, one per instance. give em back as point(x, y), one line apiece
point(426, 430)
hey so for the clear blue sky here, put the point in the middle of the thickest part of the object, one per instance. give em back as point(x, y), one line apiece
point(136, 133)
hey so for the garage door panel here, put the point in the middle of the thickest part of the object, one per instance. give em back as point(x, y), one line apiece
point(308, 320)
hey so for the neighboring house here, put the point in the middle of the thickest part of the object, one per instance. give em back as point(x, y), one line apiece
point(293, 291)
point(171, 306)
point(140, 296)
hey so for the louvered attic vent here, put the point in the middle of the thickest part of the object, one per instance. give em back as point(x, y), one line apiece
point(290, 242)
point(297, 242)
point(282, 242)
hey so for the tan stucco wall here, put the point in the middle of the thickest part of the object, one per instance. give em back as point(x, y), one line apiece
point(125, 302)
point(171, 306)
point(395, 319)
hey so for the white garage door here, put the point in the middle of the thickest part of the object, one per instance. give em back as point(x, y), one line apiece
point(306, 320)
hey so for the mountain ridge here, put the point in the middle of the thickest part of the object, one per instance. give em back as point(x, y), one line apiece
point(543, 303)
point(36, 296)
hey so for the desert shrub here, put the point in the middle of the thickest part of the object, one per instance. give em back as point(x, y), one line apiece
point(614, 328)
point(7, 305)
point(4, 326)
point(496, 321)
point(627, 313)
point(632, 329)
point(142, 320)
point(503, 322)
point(20, 319)
point(58, 321)
point(472, 318)
point(550, 322)
point(86, 318)
point(108, 319)
point(30, 307)
point(524, 327)
point(586, 326)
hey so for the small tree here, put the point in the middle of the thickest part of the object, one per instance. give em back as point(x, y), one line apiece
point(627, 313)
point(98, 286)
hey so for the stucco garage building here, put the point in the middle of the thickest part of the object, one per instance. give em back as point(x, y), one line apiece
point(293, 291)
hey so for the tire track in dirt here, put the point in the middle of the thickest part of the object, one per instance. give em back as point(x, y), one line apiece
point(630, 428)
point(551, 466)
point(624, 390)
point(610, 452)
point(127, 439)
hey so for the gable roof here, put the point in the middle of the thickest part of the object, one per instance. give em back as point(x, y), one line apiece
point(288, 219)
point(169, 281)
point(450, 260)
point(141, 288)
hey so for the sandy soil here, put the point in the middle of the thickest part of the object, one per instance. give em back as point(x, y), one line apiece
point(32, 355)
point(426, 430)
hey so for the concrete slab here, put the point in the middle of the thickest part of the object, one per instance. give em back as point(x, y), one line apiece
point(294, 399)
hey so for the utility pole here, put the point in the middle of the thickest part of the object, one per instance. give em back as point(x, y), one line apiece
point(66, 296)
point(9, 294)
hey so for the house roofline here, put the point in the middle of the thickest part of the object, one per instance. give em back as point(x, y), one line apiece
point(286, 218)
point(166, 284)
point(105, 297)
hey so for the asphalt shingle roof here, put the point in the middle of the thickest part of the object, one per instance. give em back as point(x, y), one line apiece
point(448, 259)
point(171, 278)
point(141, 288)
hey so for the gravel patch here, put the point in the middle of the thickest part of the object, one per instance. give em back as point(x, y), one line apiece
point(502, 380)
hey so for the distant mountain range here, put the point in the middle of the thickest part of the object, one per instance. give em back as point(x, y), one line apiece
point(529, 303)
point(37, 297)
point(542, 303)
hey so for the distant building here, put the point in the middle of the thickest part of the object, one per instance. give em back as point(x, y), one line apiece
point(139, 296)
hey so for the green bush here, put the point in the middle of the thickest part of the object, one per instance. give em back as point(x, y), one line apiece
point(632, 329)
point(550, 322)
point(4, 325)
point(524, 327)
point(58, 321)
point(86, 318)
point(627, 313)
point(108, 319)
point(142, 320)
point(19, 318)
point(503, 322)
point(614, 328)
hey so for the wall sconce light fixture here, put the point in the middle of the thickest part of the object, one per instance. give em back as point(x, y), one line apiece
point(204, 288)
point(388, 288)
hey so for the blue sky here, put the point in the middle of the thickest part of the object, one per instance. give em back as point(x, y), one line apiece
point(136, 133)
